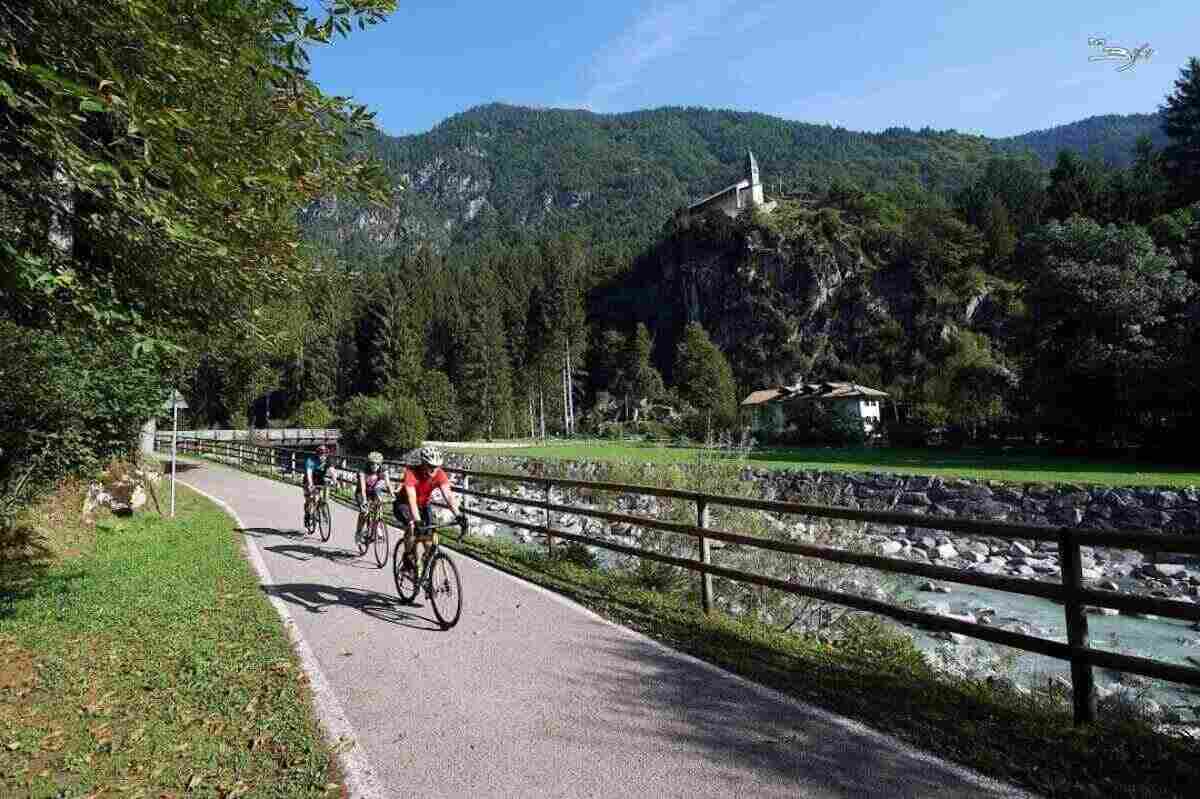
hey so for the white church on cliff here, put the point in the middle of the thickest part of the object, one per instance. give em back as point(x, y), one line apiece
point(745, 194)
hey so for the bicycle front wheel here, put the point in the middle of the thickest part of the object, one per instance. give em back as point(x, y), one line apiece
point(380, 536)
point(445, 590)
point(404, 575)
point(324, 521)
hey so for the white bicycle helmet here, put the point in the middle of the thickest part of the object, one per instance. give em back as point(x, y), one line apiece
point(429, 456)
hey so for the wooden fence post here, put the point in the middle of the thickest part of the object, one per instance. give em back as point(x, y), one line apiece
point(1083, 685)
point(549, 538)
point(706, 591)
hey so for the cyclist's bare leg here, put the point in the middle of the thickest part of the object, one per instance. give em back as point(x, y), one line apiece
point(308, 503)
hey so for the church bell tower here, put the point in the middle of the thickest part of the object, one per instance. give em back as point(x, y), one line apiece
point(756, 190)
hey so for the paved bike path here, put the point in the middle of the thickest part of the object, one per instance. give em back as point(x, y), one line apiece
point(532, 695)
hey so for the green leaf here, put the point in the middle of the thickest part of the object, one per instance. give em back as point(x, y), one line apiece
point(91, 106)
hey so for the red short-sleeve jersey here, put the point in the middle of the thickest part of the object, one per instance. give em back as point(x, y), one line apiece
point(425, 487)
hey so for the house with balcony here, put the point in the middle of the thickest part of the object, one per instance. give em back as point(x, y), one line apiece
point(774, 410)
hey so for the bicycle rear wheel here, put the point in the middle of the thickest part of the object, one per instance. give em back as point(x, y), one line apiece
point(380, 536)
point(324, 521)
point(404, 574)
point(445, 590)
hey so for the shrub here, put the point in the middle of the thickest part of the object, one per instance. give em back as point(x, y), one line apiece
point(358, 421)
point(652, 429)
point(394, 426)
point(925, 425)
point(441, 406)
point(313, 414)
point(405, 426)
point(821, 424)
point(69, 403)
point(577, 554)
point(612, 430)
point(878, 645)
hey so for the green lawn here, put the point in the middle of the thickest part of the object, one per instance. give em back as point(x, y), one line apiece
point(1008, 467)
point(147, 662)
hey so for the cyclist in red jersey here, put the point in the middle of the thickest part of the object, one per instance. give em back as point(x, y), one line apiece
point(412, 506)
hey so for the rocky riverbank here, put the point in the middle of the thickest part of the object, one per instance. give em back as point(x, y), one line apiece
point(1109, 569)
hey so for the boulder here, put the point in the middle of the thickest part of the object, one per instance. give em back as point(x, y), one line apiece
point(1161, 570)
point(946, 552)
point(1020, 550)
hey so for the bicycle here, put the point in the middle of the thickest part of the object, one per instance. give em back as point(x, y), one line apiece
point(375, 533)
point(444, 590)
point(321, 519)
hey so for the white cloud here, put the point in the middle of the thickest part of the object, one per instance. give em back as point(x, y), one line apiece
point(661, 31)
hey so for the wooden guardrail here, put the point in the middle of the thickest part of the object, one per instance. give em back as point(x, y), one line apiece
point(281, 434)
point(1070, 592)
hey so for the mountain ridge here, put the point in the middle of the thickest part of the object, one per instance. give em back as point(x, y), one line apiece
point(502, 171)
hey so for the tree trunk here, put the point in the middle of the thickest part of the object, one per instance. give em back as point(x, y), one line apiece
point(562, 394)
point(542, 410)
point(570, 393)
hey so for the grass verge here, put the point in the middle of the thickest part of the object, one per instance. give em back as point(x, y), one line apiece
point(1014, 467)
point(876, 676)
point(145, 661)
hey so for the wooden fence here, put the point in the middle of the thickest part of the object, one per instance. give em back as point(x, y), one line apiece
point(1070, 592)
point(284, 435)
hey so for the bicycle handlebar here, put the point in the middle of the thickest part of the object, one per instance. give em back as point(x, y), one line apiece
point(460, 522)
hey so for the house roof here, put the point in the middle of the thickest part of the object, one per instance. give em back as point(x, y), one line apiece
point(812, 391)
point(744, 183)
point(759, 397)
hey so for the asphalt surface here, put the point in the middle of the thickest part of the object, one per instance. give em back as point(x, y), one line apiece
point(532, 695)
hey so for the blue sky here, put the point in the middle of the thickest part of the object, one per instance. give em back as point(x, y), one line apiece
point(996, 68)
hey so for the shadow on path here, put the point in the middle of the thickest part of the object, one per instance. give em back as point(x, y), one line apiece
point(316, 598)
point(261, 532)
point(740, 731)
point(180, 466)
point(303, 552)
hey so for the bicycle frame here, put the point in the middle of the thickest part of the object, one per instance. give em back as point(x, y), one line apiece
point(432, 546)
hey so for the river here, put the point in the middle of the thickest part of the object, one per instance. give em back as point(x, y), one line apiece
point(1159, 639)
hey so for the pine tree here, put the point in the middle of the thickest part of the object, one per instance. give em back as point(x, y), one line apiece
point(643, 380)
point(703, 379)
point(566, 268)
point(1181, 123)
point(400, 344)
point(485, 387)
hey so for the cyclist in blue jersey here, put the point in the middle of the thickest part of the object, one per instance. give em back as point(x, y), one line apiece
point(316, 473)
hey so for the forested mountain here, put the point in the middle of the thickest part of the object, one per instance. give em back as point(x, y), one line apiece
point(538, 261)
point(506, 172)
point(1109, 137)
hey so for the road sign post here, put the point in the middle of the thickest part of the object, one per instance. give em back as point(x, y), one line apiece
point(174, 402)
